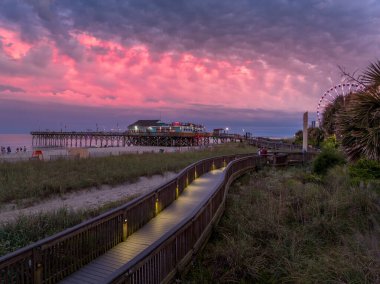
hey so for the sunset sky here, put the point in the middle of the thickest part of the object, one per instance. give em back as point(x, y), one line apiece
point(253, 64)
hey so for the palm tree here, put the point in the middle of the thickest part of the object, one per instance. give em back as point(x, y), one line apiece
point(371, 76)
point(358, 122)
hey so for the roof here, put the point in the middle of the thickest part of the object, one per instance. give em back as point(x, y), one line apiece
point(147, 123)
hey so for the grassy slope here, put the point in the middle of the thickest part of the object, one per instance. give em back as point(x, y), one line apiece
point(279, 226)
point(35, 179)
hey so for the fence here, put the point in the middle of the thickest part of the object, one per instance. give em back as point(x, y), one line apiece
point(275, 145)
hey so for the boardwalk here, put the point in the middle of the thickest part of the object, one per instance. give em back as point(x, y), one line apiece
point(140, 241)
point(196, 194)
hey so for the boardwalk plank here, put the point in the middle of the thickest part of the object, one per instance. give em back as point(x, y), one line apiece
point(78, 278)
point(95, 270)
point(106, 265)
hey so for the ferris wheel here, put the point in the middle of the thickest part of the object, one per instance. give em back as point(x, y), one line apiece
point(330, 95)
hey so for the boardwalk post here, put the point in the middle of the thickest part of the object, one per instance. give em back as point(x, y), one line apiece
point(37, 266)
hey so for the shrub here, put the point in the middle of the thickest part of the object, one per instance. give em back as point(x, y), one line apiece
point(278, 229)
point(364, 170)
point(330, 143)
point(328, 158)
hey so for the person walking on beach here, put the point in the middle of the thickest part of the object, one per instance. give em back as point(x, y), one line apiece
point(9, 150)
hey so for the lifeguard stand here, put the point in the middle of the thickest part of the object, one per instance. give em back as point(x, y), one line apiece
point(37, 155)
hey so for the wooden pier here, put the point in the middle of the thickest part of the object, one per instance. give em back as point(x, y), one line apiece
point(128, 138)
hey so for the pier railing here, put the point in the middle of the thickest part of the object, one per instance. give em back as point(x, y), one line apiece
point(53, 258)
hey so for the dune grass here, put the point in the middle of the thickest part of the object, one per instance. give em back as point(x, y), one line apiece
point(28, 229)
point(43, 179)
point(38, 180)
point(281, 226)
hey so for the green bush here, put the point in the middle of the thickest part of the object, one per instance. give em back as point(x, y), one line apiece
point(330, 143)
point(328, 158)
point(364, 170)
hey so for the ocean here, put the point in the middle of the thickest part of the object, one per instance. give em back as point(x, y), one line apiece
point(16, 141)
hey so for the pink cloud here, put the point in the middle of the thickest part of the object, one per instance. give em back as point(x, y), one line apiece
point(12, 46)
point(113, 74)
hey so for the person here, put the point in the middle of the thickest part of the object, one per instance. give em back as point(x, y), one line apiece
point(8, 149)
point(264, 151)
point(259, 151)
point(24, 149)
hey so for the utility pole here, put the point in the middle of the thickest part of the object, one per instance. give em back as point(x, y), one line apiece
point(305, 124)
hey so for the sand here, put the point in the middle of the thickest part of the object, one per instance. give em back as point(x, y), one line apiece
point(87, 198)
point(54, 153)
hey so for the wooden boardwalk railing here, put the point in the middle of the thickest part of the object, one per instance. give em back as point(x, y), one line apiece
point(53, 258)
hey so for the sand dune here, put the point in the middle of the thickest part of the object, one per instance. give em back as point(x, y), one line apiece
point(87, 198)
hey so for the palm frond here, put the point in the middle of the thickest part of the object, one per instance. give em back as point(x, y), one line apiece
point(371, 77)
point(358, 126)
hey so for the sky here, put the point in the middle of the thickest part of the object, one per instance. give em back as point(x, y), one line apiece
point(243, 64)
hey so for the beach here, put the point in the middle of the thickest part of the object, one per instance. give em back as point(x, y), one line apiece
point(49, 154)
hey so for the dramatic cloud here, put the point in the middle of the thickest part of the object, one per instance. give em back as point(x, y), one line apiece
point(4, 88)
point(268, 57)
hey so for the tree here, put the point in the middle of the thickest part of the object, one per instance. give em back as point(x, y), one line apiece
point(358, 126)
point(328, 123)
point(358, 122)
point(314, 136)
point(298, 137)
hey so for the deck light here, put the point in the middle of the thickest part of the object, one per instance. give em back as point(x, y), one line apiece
point(156, 205)
point(125, 229)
